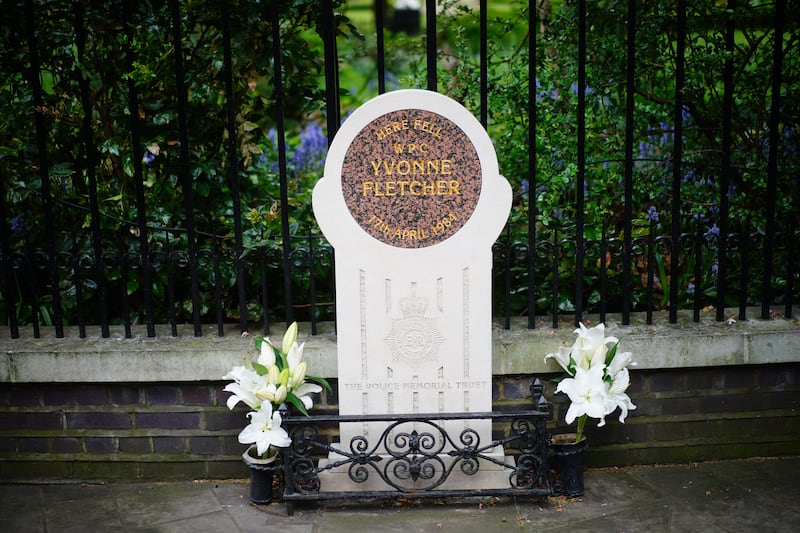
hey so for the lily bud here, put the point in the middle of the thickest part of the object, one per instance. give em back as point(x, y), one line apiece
point(284, 377)
point(267, 394)
point(289, 337)
point(280, 394)
point(298, 375)
point(273, 375)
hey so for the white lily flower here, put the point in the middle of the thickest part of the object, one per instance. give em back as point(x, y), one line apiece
point(587, 394)
point(590, 347)
point(240, 394)
point(562, 357)
point(302, 393)
point(246, 383)
point(620, 361)
point(265, 430)
point(616, 396)
point(294, 355)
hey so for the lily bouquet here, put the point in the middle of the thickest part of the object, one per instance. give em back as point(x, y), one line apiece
point(277, 377)
point(597, 377)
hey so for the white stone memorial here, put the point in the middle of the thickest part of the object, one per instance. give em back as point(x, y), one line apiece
point(412, 201)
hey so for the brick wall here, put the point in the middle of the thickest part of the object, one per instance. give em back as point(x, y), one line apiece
point(117, 431)
point(92, 432)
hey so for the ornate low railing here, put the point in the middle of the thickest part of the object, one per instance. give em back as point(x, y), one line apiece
point(417, 455)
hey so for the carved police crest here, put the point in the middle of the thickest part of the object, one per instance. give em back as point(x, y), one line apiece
point(414, 338)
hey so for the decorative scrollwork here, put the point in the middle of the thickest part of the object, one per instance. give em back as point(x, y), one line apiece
point(415, 442)
point(305, 478)
point(529, 472)
point(358, 473)
point(359, 445)
point(525, 433)
point(303, 438)
point(418, 455)
point(404, 444)
point(469, 466)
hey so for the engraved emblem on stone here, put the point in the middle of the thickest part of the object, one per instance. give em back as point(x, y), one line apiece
point(414, 338)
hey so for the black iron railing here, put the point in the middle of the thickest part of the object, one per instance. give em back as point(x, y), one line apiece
point(92, 146)
point(419, 456)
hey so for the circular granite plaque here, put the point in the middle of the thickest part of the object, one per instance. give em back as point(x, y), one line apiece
point(411, 178)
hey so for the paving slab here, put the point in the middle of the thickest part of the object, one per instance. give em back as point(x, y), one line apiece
point(735, 496)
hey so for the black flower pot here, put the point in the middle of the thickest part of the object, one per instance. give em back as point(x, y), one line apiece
point(566, 460)
point(262, 476)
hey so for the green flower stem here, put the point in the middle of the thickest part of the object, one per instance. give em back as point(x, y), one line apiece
point(581, 424)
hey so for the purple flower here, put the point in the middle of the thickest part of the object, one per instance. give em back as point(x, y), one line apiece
point(312, 150)
point(148, 157)
point(586, 90)
point(690, 288)
point(644, 150)
point(713, 230)
point(652, 214)
point(686, 115)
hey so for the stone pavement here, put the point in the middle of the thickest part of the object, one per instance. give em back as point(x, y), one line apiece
point(746, 495)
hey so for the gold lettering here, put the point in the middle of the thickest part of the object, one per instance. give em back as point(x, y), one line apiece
point(412, 187)
point(443, 224)
point(382, 132)
point(428, 127)
point(393, 127)
point(405, 167)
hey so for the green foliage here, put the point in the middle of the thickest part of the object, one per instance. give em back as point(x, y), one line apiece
point(102, 61)
point(101, 67)
point(653, 143)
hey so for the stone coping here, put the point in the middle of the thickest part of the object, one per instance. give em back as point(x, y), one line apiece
point(519, 350)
